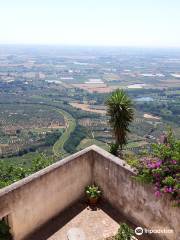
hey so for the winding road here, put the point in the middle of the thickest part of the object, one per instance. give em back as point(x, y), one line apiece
point(58, 147)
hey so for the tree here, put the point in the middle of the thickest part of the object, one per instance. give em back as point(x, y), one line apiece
point(120, 110)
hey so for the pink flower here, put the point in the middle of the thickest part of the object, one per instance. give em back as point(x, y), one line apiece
point(158, 164)
point(168, 189)
point(154, 164)
point(151, 165)
point(157, 193)
point(165, 189)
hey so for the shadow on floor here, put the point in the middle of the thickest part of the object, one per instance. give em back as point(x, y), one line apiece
point(56, 223)
point(53, 225)
point(120, 218)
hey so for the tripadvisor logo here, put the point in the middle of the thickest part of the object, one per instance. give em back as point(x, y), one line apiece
point(139, 231)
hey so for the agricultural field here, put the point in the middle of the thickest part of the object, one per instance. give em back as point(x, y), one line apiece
point(89, 141)
point(25, 127)
point(57, 105)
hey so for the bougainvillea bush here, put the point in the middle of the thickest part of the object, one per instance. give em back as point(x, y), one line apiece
point(162, 168)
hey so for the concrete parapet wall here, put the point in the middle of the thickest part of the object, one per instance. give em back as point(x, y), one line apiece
point(31, 202)
point(135, 200)
point(34, 200)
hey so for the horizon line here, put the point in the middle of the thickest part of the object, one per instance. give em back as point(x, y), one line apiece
point(92, 45)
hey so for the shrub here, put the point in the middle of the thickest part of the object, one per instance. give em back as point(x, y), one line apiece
point(162, 169)
point(12, 173)
point(4, 231)
point(124, 232)
point(113, 148)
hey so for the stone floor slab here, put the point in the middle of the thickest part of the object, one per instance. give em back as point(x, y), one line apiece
point(97, 223)
point(76, 234)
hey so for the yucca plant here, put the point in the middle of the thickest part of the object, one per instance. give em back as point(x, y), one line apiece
point(121, 113)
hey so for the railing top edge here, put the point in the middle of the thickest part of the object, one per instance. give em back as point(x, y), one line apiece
point(60, 163)
point(44, 171)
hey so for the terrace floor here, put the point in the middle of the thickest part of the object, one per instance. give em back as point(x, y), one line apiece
point(97, 223)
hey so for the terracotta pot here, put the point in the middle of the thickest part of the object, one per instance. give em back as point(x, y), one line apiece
point(93, 201)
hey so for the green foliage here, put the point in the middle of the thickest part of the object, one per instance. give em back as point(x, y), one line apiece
point(4, 231)
point(120, 111)
point(113, 148)
point(169, 181)
point(132, 160)
point(162, 168)
point(51, 138)
point(11, 173)
point(144, 176)
point(40, 162)
point(166, 151)
point(75, 138)
point(124, 232)
point(93, 191)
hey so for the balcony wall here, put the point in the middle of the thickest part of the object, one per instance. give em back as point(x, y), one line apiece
point(135, 200)
point(33, 201)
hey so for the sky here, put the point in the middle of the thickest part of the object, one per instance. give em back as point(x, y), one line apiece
point(151, 23)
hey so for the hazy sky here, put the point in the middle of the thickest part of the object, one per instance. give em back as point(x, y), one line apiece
point(91, 22)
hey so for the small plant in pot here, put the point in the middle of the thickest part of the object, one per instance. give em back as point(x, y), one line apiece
point(93, 193)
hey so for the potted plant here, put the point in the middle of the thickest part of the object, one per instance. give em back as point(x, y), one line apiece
point(93, 193)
